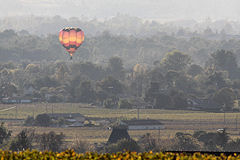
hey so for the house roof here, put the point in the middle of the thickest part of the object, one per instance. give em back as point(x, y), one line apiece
point(27, 86)
point(76, 124)
point(142, 122)
point(65, 115)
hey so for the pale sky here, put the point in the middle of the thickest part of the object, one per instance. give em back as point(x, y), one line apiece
point(147, 9)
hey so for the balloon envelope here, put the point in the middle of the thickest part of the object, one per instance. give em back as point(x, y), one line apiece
point(71, 38)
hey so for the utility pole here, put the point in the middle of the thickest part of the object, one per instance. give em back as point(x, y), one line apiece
point(52, 109)
point(138, 113)
point(224, 119)
point(137, 87)
point(16, 112)
point(46, 107)
point(158, 134)
point(236, 122)
point(33, 109)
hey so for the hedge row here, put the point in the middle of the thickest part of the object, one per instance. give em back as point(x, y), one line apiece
point(70, 154)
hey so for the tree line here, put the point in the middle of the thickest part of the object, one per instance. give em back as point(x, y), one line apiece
point(23, 46)
point(124, 25)
point(51, 141)
point(171, 82)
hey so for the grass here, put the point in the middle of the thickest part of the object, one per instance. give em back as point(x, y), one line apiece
point(25, 110)
point(174, 120)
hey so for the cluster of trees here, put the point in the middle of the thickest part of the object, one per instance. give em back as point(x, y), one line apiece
point(217, 81)
point(22, 46)
point(65, 82)
point(173, 82)
point(198, 141)
point(28, 139)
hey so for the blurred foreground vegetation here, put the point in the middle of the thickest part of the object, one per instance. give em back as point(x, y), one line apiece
point(70, 154)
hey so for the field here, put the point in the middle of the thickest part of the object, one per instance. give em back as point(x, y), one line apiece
point(174, 120)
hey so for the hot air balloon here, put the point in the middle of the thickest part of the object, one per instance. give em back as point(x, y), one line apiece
point(71, 38)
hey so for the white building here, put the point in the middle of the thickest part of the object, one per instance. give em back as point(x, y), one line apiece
point(29, 90)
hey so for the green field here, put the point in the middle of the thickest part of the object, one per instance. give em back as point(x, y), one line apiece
point(174, 120)
point(24, 110)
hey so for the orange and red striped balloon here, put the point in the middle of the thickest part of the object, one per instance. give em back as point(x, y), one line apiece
point(71, 38)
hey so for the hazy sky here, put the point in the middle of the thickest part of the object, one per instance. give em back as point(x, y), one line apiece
point(148, 9)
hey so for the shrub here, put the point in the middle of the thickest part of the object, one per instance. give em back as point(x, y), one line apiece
point(124, 104)
point(213, 141)
point(185, 142)
point(109, 103)
point(151, 143)
point(29, 121)
point(123, 145)
point(80, 146)
point(233, 146)
point(148, 142)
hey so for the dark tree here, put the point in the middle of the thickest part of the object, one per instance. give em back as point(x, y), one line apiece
point(5, 134)
point(24, 140)
point(225, 98)
point(51, 141)
point(163, 101)
point(111, 86)
point(194, 70)
point(29, 121)
point(226, 61)
point(85, 93)
point(119, 132)
point(217, 79)
point(176, 60)
point(124, 104)
point(115, 68)
point(43, 120)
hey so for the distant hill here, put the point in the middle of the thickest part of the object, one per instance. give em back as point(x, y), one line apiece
point(117, 25)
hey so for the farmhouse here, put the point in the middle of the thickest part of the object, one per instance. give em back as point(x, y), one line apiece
point(76, 116)
point(76, 124)
point(72, 119)
point(28, 90)
point(143, 124)
point(202, 104)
